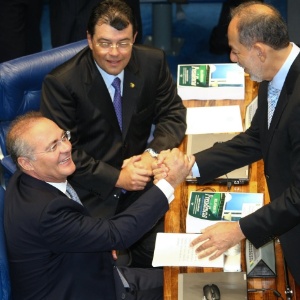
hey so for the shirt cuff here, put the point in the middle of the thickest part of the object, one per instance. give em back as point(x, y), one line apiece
point(166, 188)
point(195, 171)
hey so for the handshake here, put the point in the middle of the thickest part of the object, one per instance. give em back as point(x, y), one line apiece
point(137, 171)
point(172, 165)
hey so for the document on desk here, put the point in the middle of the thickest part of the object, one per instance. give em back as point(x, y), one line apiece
point(214, 119)
point(173, 249)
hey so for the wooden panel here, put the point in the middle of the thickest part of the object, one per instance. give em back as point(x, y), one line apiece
point(175, 217)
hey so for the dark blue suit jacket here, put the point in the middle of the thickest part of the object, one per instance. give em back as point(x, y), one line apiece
point(57, 251)
point(279, 147)
point(75, 97)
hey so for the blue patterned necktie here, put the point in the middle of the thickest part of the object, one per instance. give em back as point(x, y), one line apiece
point(118, 100)
point(73, 195)
point(273, 95)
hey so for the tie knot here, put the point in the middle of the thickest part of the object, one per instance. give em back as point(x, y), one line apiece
point(116, 83)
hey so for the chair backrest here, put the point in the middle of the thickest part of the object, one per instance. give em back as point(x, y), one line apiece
point(21, 82)
point(4, 270)
point(20, 91)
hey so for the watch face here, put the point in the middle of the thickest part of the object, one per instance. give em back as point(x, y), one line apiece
point(151, 152)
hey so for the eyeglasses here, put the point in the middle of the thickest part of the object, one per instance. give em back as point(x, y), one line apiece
point(121, 46)
point(65, 137)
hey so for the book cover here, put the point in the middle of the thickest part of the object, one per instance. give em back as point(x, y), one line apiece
point(207, 208)
point(211, 81)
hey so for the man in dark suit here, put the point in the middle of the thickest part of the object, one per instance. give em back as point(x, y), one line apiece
point(78, 95)
point(56, 250)
point(259, 42)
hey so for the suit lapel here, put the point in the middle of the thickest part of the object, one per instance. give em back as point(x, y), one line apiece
point(98, 94)
point(132, 87)
point(285, 93)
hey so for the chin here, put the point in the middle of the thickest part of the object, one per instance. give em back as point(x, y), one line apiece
point(254, 78)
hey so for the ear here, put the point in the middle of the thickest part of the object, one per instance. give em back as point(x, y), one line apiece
point(260, 49)
point(89, 39)
point(134, 37)
point(25, 163)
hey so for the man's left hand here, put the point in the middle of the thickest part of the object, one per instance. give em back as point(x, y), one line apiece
point(217, 238)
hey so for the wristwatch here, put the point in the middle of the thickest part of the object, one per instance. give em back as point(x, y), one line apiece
point(152, 152)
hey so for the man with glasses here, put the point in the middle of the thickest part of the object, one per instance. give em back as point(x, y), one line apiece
point(80, 96)
point(56, 250)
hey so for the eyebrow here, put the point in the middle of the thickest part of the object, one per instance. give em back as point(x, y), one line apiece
point(55, 141)
point(109, 41)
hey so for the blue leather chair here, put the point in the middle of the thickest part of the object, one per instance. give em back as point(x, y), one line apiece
point(4, 271)
point(20, 88)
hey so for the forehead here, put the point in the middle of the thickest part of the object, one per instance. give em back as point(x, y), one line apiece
point(42, 133)
point(232, 33)
point(108, 32)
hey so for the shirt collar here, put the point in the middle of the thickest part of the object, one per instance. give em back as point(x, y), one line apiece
point(278, 80)
point(108, 78)
point(62, 186)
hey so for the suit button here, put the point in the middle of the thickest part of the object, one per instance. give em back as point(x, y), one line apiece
point(123, 296)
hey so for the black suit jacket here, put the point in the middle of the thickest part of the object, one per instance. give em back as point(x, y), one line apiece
point(279, 147)
point(75, 96)
point(57, 251)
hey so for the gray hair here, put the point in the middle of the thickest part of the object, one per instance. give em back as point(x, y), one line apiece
point(260, 25)
point(16, 144)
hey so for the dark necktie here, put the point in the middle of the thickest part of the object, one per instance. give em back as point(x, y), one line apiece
point(73, 195)
point(118, 100)
point(273, 95)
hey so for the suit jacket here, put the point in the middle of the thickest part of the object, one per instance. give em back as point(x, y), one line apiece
point(279, 147)
point(57, 251)
point(75, 96)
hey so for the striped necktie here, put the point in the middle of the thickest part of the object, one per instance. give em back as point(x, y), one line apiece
point(72, 194)
point(273, 95)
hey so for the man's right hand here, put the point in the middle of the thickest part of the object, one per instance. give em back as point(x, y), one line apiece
point(132, 176)
point(174, 166)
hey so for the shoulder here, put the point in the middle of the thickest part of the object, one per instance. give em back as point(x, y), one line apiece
point(144, 51)
point(81, 61)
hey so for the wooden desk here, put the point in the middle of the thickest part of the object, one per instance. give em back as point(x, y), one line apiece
point(175, 218)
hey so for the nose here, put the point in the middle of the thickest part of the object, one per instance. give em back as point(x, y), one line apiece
point(113, 49)
point(65, 146)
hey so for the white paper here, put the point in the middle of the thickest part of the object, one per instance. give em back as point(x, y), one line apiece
point(173, 249)
point(199, 93)
point(214, 119)
point(250, 112)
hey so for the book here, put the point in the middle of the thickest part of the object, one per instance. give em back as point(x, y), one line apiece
point(211, 81)
point(207, 208)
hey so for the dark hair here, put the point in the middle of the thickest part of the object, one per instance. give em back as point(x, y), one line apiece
point(260, 25)
point(115, 13)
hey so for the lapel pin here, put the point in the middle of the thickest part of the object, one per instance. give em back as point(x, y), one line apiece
point(132, 85)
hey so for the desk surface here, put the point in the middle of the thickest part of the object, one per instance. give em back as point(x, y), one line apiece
point(175, 217)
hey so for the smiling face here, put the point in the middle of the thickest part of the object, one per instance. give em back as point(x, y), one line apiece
point(249, 59)
point(113, 59)
point(51, 166)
